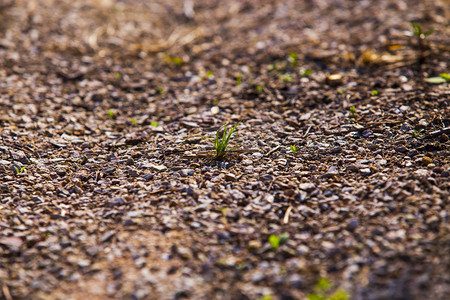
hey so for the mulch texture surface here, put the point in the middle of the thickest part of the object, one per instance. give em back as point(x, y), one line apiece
point(339, 169)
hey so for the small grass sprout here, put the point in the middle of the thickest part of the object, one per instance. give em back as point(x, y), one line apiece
point(420, 37)
point(154, 124)
point(134, 122)
point(294, 149)
point(239, 79)
point(353, 111)
point(305, 72)
point(19, 170)
point(416, 133)
point(111, 114)
point(259, 89)
point(174, 60)
point(209, 74)
point(221, 144)
point(374, 93)
point(322, 291)
point(275, 240)
point(286, 77)
point(160, 90)
point(293, 59)
point(418, 32)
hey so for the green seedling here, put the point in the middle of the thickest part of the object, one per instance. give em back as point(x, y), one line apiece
point(134, 122)
point(174, 60)
point(154, 124)
point(259, 89)
point(239, 79)
point(420, 37)
point(221, 144)
point(286, 77)
point(353, 111)
point(111, 114)
point(416, 133)
point(322, 291)
point(266, 297)
point(275, 240)
point(160, 90)
point(19, 170)
point(374, 93)
point(305, 72)
point(117, 76)
point(417, 31)
point(294, 150)
point(293, 59)
point(209, 74)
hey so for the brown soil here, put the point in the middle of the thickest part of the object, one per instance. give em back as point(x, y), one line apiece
point(107, 192)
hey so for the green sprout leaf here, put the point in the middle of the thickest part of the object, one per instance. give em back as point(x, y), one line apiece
point(353, 111)
point(305, 72)
point(340, 294)
point(134, 122)
point(446, 76)
point(209, 74)
point(416, 29)
point(239, 79)
point(274, 241)
point(154, 124)
point(111, 114)
point(374, 93)
point(294, 149)
point(428, 32)
point(293, 59)
point(286, 77)
point(284, 237)
point(323, 285)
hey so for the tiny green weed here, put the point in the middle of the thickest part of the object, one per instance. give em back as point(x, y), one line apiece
point(19, 170)
point(305, 72)
point(293, 59)
point(160, 90)
point(111, 114)
point(154, 124)
point(353, 111)
point(209, 74)
point(418, 32)
point(286, 77)
point(322, 291)
point(294, 150)
point(374, 93)
point(416, 133)
point(239, 79)
point(221, 144)
point(174, 60)
point(259, 89)
point(134, 122)
point(275, 240)
point(420, 37)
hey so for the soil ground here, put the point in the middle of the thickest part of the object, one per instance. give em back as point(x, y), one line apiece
point(107, 192)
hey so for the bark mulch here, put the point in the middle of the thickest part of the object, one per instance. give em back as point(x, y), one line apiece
point(108, 192)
